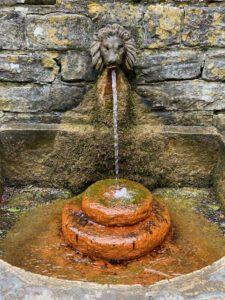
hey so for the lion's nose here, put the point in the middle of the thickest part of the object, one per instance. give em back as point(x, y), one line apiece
point(112, 59)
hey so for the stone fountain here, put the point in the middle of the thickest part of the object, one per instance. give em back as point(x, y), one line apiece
point(117, 219)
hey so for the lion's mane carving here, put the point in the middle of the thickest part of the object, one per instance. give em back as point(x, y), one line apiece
point(127, 42)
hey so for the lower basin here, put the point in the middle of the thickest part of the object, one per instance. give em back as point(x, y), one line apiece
point(196, 240)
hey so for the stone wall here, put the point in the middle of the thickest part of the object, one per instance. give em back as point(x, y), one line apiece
point(45, 67)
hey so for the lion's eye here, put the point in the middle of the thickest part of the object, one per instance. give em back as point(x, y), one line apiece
point(120, 46)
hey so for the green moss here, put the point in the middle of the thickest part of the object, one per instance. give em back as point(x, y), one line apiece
point(98, 192)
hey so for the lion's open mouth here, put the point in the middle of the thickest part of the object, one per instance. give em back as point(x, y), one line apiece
point(112, 67)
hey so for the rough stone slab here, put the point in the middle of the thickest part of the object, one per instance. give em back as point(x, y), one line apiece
point(58, 31)
point(7, 118)
point(39, 98)
point(187, 95)
point(214, 68)
point(77, 66)
point(204, 26)
point(126, 14)
point(161, 26)
point(27, 98)
point(166, 65)
point(65, 96)
point(219, 121)
point(11, 30)
point(31, 67)
point(180, 118)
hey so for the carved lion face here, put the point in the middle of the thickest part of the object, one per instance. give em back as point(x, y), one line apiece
point(113, 46)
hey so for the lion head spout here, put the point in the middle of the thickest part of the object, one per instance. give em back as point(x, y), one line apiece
point(113, 46)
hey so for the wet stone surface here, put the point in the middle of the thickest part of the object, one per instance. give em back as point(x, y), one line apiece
point(185, 250)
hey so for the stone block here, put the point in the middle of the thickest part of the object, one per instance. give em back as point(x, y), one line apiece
point(219, 121)
point(204, 26)
point(185, 96)
point(166, 65)
point(8, 118)
point(126, 14)
point(58, 31)
point(11, 30)
point(65, 96)
point(32, 67)
point(77, 66)
point(24, 98)
point(39, 98)
point(214, 67)
point(160, 27)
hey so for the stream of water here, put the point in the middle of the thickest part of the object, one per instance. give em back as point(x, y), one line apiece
point(115, 125)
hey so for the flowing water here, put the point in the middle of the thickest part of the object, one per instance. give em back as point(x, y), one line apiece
point(115, 125)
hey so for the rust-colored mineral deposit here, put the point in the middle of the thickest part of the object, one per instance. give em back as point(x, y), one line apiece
point(115, 223)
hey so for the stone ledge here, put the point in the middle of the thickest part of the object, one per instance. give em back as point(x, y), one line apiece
point(18, 284)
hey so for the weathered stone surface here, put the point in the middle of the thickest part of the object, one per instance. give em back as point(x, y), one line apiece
point(39, 155)
point(65, 96)
point(77, 66)
point(204, 26)
point(186, 96)
point(1, 181)
point(175, 159)
point(58, 31)
point(219, 121)
point(24, 98)
point(219, 177)
point(214, 67)
point(165, 65)
point(39, 98)
point(11, 30)
point(126, 14)
point(182, 118)
point(28, 67)
point(161, 26)
point(29, 196)
point(57, 158)
point(41, 117)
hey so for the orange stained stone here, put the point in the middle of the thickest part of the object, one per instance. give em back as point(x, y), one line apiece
point(113, 242)
point(127, 204)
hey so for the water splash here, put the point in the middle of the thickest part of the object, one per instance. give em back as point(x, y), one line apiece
point(115, 126)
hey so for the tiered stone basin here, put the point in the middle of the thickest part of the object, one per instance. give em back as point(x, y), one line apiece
point(115, 223)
